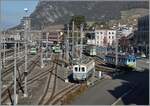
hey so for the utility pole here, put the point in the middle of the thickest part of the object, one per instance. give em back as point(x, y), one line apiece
point(26, 49)
point(73, 39)
point(47, 46)
point(77, 44)
point(19, 48)
point(81, 43)
point(42, 64)
point(0, 68)
point(67, 46)
point(67, 52)
point(116, 49)
point(15, 75)
point(4, 54)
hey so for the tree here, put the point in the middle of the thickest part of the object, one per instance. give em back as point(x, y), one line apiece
point(99, 24)
point(78, 20)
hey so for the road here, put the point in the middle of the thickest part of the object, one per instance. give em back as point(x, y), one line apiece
point(142, 63)
point(108, 91)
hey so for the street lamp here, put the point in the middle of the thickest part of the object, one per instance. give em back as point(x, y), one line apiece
point(25, 34)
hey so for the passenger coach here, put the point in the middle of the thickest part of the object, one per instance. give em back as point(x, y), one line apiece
point(123, 60)
point(82, 72)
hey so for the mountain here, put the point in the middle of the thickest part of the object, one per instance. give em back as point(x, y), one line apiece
point(60, 12)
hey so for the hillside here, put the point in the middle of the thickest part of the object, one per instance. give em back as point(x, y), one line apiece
point(50, 12)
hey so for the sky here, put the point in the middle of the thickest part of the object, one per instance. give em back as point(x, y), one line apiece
point(13, 10)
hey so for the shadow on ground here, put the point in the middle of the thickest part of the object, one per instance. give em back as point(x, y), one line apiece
point(138, 82)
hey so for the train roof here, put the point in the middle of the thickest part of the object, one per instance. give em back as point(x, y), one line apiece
point(122, 55)
point(90, 45)
point(86, 60)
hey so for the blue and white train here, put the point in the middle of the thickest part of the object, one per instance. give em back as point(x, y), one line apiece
point(81, 72)
point(123, 60)
point(90, 50)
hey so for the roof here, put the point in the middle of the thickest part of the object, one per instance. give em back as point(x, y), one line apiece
point(121, 55)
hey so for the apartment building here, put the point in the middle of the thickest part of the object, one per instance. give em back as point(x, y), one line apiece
point(105, 37)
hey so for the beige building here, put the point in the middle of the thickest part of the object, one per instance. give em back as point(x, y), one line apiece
point(105, 37)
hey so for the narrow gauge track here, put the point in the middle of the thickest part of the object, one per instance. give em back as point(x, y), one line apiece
point(41, 101)
point(57, 97)
point(10, 67)
point(10, 86)
point(54, 85)
point(42, 75)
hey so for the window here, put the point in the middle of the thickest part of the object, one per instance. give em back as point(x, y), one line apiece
point(76, 69)
point(97, 37)
point(97, 32)
point(119, 60)
point(109, 33)
point(112, 32)
point(101, 32)
point(133, 60)
point(109, 37)
point(129, 60)
point(83, 69)
point(112, 37)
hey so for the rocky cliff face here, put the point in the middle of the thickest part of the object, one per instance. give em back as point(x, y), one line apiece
point(50, 12)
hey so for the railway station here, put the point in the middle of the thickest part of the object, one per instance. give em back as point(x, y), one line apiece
point(49, 66)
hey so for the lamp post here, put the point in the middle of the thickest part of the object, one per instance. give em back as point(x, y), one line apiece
point(26, 38)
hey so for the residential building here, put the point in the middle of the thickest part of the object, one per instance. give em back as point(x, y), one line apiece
point(105, 37)
point(53, 37)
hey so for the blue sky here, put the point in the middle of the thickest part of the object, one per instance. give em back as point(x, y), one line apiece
point(13, 10)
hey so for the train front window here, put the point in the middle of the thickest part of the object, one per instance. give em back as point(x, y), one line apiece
point(76, 69)
point(83, 69)
point(129, 60)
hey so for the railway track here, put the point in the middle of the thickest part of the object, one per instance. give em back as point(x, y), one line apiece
point(54, 86)
point(54, 96)
point(41, 101)
point(10, 68)
point(58, 96)
point(5, 95)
